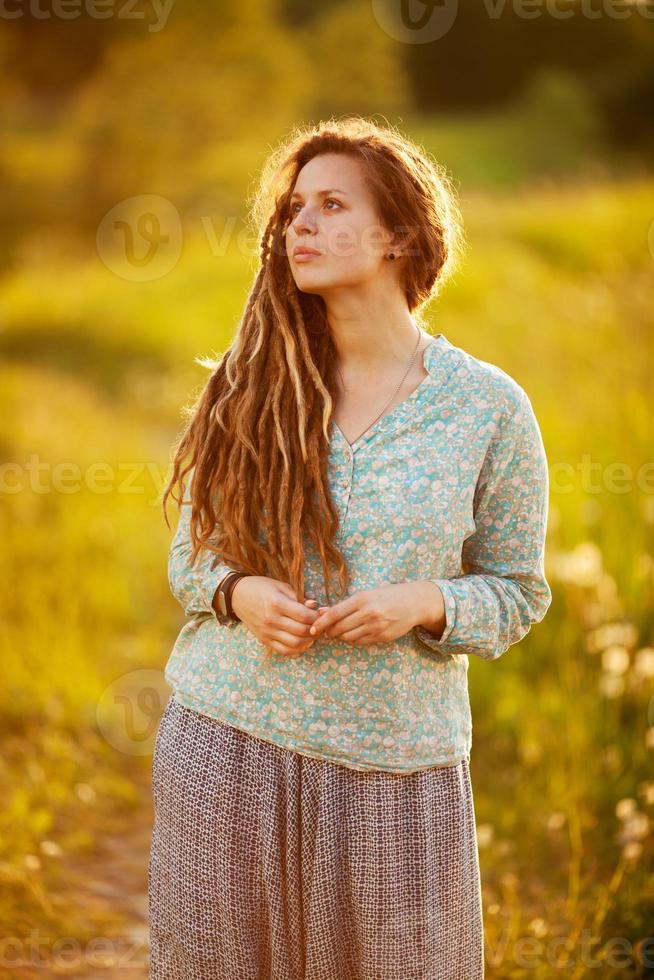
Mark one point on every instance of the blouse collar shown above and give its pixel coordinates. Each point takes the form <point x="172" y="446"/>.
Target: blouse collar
<point x="439" y="361"/>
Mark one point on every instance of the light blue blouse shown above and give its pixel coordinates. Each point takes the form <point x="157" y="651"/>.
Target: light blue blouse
<point x="451" y="485"/>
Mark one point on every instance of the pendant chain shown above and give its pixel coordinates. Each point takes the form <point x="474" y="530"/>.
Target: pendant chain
<point x="413" y="357"/>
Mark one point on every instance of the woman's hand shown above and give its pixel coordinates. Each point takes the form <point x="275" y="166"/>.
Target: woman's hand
<point x="380" y="615"/>
<point x="271" y="611"/>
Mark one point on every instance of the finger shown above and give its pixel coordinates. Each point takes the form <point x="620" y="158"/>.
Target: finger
<point x="319" y="625"/>
<point x="327" y="615"/>
<point x="325" y="619"/>
<point x="292" y="626"/>
<point x="350" y="622"/>
<point x="295" y="612"/>
<point x="288" y="644"/>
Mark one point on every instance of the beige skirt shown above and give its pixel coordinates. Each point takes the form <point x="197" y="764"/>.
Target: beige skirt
<point x="267" y="864"/>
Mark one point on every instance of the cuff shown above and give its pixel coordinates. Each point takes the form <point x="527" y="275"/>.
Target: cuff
<point x="429" y="640"/>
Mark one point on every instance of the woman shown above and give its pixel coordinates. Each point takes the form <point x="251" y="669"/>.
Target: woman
<point x="314" y="814"/>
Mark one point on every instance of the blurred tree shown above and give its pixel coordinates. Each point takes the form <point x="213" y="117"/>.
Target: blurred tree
<point x="51" y="55"/>
<point x="100" y="109"/>
<point x="626" y="92"/>
<point x="486" y="58"/>
<point x="355" y="66"/>
<point x="164" y="107"/>
<point x="297" y="13"/>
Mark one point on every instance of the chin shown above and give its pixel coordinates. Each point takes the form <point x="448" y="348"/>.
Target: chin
<point x="312" y="284"/>
<point x="311" y="290"/>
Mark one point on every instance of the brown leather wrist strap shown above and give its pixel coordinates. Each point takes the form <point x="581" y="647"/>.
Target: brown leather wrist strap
<point x="225" y="589"/>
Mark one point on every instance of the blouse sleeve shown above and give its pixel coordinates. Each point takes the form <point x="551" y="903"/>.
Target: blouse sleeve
<point x="194" y="587"/>
<point x="503" y="590"/>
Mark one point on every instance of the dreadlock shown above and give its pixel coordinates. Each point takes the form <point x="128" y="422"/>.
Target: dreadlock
<point x="257" y="439"/>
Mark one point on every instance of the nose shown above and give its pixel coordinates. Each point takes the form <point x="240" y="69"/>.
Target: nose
<point x="304" y="221"/>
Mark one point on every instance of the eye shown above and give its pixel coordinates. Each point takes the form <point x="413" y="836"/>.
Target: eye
<point x="328" y="200"/>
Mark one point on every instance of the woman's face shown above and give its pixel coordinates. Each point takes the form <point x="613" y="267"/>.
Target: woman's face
<point x="332" y="212"/>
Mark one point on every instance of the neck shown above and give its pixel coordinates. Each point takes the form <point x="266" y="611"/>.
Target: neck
<point x="374" y="344"/>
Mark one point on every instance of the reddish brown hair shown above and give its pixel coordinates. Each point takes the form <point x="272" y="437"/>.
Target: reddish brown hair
<point x="257" y="439"/>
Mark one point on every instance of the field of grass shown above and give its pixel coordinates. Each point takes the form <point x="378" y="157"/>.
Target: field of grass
<point x="556" y="288"/>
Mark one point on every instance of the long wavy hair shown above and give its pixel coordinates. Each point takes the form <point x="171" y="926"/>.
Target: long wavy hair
<point x="257" y="438"/>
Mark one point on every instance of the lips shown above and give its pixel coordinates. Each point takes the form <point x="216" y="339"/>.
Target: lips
<point x="304" y="250"/>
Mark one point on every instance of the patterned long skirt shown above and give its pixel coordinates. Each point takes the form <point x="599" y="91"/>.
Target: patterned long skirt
<point x="267" y="864"/>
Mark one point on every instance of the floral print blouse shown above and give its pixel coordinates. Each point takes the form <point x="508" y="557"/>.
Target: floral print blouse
<point x="451" y="485"/>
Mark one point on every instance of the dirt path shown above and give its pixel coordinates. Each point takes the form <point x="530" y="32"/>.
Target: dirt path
<point x="110" y="887"/>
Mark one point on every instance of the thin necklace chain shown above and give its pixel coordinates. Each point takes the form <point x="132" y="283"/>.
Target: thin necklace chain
<point x="413" y="357"/>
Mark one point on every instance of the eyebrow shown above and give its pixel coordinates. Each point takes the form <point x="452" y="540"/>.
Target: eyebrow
<point x="331" y="190"/>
